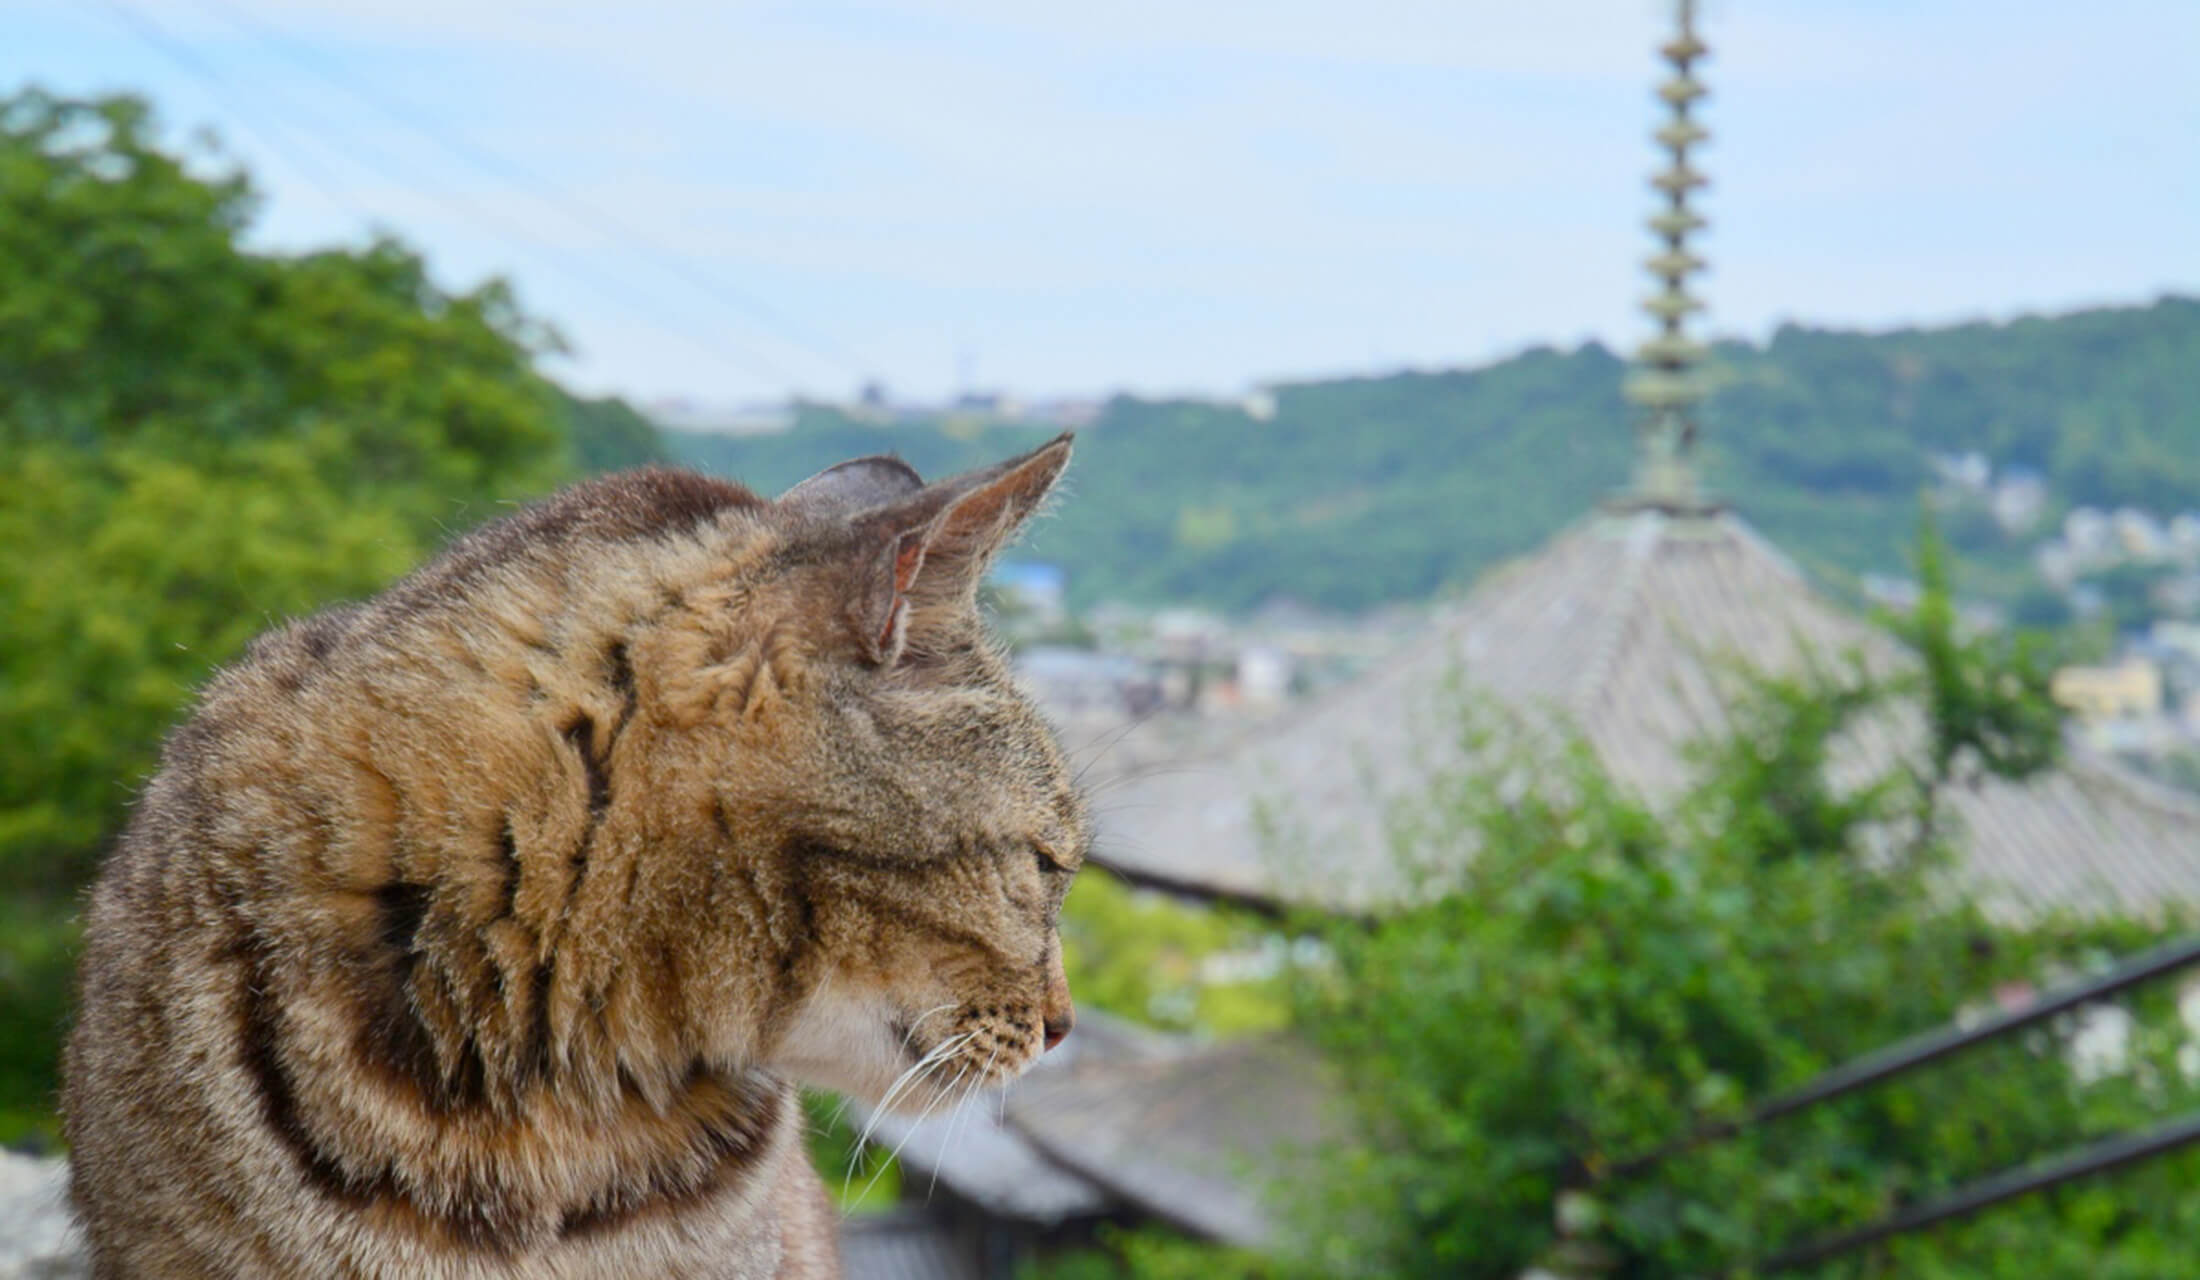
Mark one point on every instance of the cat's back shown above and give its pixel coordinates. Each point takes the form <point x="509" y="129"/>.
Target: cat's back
<point x="239" y="942"/>
<point x="262" y="747"/>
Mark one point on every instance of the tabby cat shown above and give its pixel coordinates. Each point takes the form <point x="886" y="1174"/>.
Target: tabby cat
<point x="485" y="928"/>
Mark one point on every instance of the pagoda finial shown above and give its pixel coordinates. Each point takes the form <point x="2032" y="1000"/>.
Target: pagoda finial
<point x="1667" y="383"/>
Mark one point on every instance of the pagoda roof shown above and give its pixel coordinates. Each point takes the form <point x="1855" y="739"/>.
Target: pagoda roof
<point x="1634" y="629"/>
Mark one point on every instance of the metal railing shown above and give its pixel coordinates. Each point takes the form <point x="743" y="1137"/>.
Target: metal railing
<point x="1918" y="1051"/>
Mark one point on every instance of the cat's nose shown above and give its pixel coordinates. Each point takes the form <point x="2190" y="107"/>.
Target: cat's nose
<point x="1056" y="1012"/>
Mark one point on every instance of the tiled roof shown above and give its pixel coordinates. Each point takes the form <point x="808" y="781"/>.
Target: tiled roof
<point x="983" y="1159"/>
<point x="904" y="1245"/>
<point x="1119" y="1117"/>
<point x="1195" y="1141"/>
<point x="1630" y="628"/>
<point x="977" y="1153"/>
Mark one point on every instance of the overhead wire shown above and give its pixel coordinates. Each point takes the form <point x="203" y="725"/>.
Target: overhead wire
<point x="610" y="287"/>
<point x="162" y="42"/>
<point x="774" y="321"/>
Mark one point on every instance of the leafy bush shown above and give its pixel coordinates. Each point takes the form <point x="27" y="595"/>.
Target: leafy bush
<point x="1142" y="956"/>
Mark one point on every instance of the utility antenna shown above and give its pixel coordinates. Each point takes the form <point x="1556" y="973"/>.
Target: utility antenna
<point x="1667" y="384"/>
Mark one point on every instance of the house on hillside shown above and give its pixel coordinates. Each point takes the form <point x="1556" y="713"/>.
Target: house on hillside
<point x="2131" y="687"/>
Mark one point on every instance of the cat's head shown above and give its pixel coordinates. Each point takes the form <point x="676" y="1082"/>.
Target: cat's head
<point x="921" y="811"/>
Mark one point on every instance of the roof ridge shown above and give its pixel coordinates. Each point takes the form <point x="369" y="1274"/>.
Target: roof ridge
<point x="2088" y="765"/>
<point x="1649" y="528"/>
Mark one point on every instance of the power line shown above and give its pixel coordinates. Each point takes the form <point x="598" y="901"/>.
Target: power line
<point x="610" y="287"/>
<point x="151" y="33"/>
<point x="333" y="70"/>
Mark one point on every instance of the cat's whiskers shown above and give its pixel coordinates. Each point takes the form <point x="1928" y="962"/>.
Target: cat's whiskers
<point x="924" y="1066"/>
<point x="1099" y="747"/>
<point x="932" y="1058"/>
<point x="911" y="1132"/>
<point x="944" y="1094"/>
<point x="1145" y="773"/>
<point x="961" y="1111"/>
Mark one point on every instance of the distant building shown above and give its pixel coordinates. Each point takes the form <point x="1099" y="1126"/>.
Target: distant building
<point x="2088" y="533"/>
<point x="2177" y="637"/>
<point x="1891" y="592"/>
<point x="2057" y="564"/>
<point x="2127" y="689"/>
<point x="986" y="404"/>
<point x="720" y="419"/>
<point x="1067" y="413"/>
<point x="1081" y="682"/>
<point x="2019" y="500"/>
<point x="1040" y="588"/>
<point x="2184" y="536"/>
<point x="2176" y="594"/>
<point x="2139" y="535"/>
<point x="1264" y="676"/>
<point x="1966" y="472"/>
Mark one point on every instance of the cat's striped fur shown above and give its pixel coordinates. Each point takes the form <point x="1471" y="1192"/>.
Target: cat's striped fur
<point x="484" y="928"/>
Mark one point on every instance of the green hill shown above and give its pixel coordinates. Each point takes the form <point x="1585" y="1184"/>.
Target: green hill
<point x="1365" y="490"/>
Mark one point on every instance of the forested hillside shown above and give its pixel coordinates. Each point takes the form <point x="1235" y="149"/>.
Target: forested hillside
<point x="1373" y="489"/>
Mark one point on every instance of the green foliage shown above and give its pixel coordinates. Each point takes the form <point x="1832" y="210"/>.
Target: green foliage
<point x="156" y="568"/>
<point x="1142" y="956"/>
<point x="133" y="316"/>
<point x="1152" y="1253"/>
<point x="1987" y="695"/>
<point x="37" y="966"/>
<point x="1367" y="490"/>
<point x="609" y="435"/>
<point x="1595" y="978"/>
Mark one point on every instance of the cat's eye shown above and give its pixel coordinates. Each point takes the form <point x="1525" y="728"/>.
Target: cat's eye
<point x="1047" y="864"/>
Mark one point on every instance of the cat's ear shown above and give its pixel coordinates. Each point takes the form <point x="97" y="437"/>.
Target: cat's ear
<point x="932" y="547"/>
<point x="854" y="487"/>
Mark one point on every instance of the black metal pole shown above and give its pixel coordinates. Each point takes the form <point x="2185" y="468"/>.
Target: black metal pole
<point x="2101" y="1157"/>
<point x="1918" y="1050"/>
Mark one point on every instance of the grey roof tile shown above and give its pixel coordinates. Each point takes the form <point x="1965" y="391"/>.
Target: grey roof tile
<point x="1630" y="628"/>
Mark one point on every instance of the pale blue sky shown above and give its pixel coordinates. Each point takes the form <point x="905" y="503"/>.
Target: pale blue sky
<point x="1171" y="195"/>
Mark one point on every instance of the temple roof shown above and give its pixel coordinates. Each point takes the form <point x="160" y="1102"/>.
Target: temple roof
<point x="1632" y="628"/>
<point x="1121" y="1118"/>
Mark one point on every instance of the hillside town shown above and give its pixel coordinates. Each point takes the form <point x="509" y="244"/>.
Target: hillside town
<point x="1337" y="756"/>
